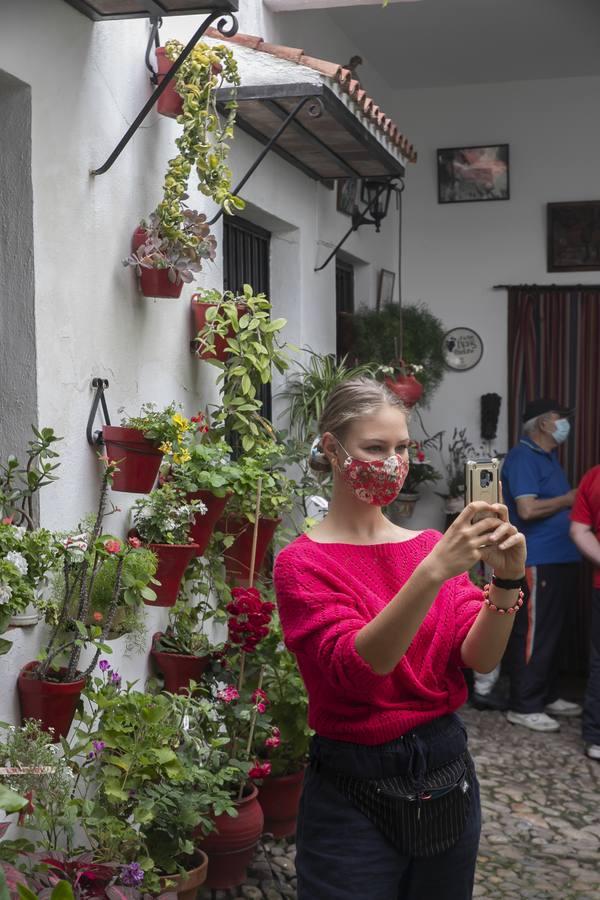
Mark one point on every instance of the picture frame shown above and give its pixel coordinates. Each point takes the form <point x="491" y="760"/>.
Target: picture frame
<point x="463" y="349"/>
<point x="573" y="236"/>
<point x="385" y="293"/>
<point x="348" y="192"/>
<point x="473" y="174"/>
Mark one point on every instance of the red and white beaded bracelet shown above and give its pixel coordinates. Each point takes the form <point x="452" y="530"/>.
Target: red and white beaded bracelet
<point x="499" y="609"/>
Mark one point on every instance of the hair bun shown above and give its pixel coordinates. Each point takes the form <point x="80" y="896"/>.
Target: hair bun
<point x="317" y="459"/>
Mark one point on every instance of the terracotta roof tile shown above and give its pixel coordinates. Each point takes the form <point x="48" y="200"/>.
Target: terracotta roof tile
<point x="341" y="76"/>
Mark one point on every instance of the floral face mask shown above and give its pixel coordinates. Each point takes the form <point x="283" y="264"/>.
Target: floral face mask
<point x="375" y="481"/>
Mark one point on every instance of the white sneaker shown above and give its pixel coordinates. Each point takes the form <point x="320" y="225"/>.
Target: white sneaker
<point x="593" y="751"/>
<point x="534" y="721"/>
<point x="564" y="708"/>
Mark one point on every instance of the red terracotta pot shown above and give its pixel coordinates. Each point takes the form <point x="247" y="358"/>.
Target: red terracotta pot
<point x="407" y="388"/>
<point x="52" y="702"/>
<point x="199" y="321"/>
<point x="238" y="556"/>
<point x="204" y="526"/>
<point x="279" y="797"/>
<point x="169" y="103"/>
<point x="137" y="457"/>
<point x="231" y="848"/>
<point x="186" y="886"/>
<point x="178" y="670"/>
<point x="155" y="282"/>
<point x="173" y="560"/>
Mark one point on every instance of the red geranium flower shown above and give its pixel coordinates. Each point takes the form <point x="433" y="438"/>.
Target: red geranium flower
<point x="113" y="546"/>
<point x="134" y="542"/>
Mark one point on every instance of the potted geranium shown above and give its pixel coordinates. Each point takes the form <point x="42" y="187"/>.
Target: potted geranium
<point x="421" y="471"/>
<point x="163" y="521"/>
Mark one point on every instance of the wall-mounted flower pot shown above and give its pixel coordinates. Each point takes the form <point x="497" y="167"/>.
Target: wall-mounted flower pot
<point x="169" y="103"/>
<point x="204" y="526"/>
<point x="52" y="702"/>
<point x="186" y="886"/>
<point x="407" y="388"/>
<point x="237" y="557"/>
<point x="199" y="321"/>
<point x="231" y="847"/>
<point x="178" y="669"/>
<point x="137" y="457"/>
<point x="279" y="797"/>
<point x="173" y="560"/>
<point x="155" y="282"/>
<point x="30" y="616"/>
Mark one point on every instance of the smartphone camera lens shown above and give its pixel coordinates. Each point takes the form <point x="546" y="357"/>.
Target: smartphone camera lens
<point x="485" y="478"/>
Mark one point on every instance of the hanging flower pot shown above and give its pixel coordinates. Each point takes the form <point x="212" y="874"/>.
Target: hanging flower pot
<point x="155" y="282"/>
<point x="406" y="386"/>
<point x="203" y="528"/>
<point x="279" y="797"/>
<point x="186" y="886"/>
<point x="238" y="556"/>
<point x="52" y="702"/>
<point x="173" y="560"/>
<point x="169" y="103"/>
<point x="178" y="669"/>
<point x="231" y="847"/>
<point x="199" y="310"/>
<point x="138" y="459"/>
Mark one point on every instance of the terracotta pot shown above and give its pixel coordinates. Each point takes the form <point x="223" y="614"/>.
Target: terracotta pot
<point x="237" y="557"/>
<point x="155" y="282"/>
<point x="169" y="103"/>
<point x="137" y="457"/>
<point x="52" y="702"/>
<point x="186" y="886"/>
<point x="402" y="507"/>
<point x="279" y="797"/>
<point x="231" y="848"/>
<point x="178" y="669"/>
<point x="199" y="321"/>
<point x="204" y="526"/>
<point x="407" y="388"/>
<point x="173" y="560"/>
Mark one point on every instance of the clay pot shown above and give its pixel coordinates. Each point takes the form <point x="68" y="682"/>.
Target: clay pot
<point x="53" y="703"/>
<point x="186" y="886"/>
<point x="203" y="528"/>
<point x="169" y="103"/>
<point x="237" y="557"/>
<point x="199" y="321"/>
<point x="173" y="560"/>
<point x="155" y="282"/>
<point x="231" y="847"/>
<point x="279" y="797"/>
<point x="177" y="668"/>
<point x="406" y="387"/>
<point x="137" y="458"/>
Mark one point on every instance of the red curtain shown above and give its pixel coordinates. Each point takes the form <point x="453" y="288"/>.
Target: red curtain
<point x="554" y="351"/>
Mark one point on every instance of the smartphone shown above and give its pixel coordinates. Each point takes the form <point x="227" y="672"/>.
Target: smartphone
<point x="482" y="482"/>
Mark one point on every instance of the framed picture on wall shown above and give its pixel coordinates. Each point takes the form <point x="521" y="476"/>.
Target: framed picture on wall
<point x="467" y="174"/>
<point x="385" y="294"/>
<point x="348" y="191"/>
<point x="574" y="236"/>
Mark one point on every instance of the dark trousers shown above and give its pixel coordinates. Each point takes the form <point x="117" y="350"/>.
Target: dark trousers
<point x="534" y="645"/>
<point x="341" y="855"/>
<point x="591" y="707"/>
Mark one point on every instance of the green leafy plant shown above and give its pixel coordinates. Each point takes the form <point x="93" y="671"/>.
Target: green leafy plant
<point x="421" y="471"/>
<point x="184" y="633"/>
<point x="208" y="466"/>
<point x="137" y="576"/>
<point x="167" y="428"/>
<point x="253" y="348"/>
<point x="19" y="484"/>
<point x="376" y="333"/>
<point x="266" y="462"/>
<point x="165" y="515"/>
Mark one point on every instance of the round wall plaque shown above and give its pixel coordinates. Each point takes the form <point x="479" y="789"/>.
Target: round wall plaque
<point x="463" y="348"/>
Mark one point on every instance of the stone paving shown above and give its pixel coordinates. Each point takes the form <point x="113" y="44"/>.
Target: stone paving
<point x="541" y="819"/>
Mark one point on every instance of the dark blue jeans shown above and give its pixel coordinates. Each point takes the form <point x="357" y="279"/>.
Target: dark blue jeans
<point x="341" y="855"/>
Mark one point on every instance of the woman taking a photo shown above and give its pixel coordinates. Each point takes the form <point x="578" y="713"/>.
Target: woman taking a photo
<point x="381" y="620"/>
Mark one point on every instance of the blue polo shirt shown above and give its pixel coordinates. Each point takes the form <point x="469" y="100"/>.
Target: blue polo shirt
<point x="531" y="471"/>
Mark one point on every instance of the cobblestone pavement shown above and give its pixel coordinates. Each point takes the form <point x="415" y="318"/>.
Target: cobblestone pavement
<point x="541" y="819"/>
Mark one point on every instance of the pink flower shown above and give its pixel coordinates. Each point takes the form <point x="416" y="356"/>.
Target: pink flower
<point x="134" y="542"/>
<point x="97" y="617"/>
<point x="274" y="740"/>
<point x="7" y="520"/>
<point x="228" y="694"/>
<point x="420" y="456"/>
<point x="260" y="770"/>
<point x="113" y="546"/>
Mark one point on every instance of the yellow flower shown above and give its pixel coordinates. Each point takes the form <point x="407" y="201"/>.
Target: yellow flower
<point x="166" y="447"/>
<point x="180" y="422"/>
<point x="182" y="457"/>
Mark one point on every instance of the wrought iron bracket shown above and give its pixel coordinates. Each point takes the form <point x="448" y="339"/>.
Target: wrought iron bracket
<point x="154" y="39"/>
<point x="94" y="438"/>
<point x="315" y="109"/>
<point x="227" y="31"/>
<point x="361" y="217"/>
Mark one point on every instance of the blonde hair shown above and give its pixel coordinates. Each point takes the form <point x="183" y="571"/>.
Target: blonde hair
<point x="349" y="401"/>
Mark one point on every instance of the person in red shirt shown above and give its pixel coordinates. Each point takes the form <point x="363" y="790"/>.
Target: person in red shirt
<point x="585" y="532"/>
<point x="382" y="620"/>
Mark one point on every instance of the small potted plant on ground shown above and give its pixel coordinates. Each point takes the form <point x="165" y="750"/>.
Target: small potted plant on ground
<point x="421" y="471"/>
<point x="182" y="652"/>
<point x="163" y="521"/>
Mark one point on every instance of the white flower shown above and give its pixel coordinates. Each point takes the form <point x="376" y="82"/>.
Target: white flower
<point x="170" y="524"/>
<point x="18" y="532"/>
<point x="18" y="561"/>
<point x="5" y="594"/>
<point x="144" y="513"/>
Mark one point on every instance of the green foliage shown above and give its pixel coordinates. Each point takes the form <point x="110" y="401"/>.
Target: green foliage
<point x="26" y="559"/>
<point x="163" y="426"/>
<point x="139" y="568"/>
<point x="183" y="634"/>
<point x="458" y="451"/>
<point x="20" y="483"/>
<point x="375" y="333"/>
<point x="267" y="462"/>
<point x="165" y="515"/>
<point x="209" y="467"/>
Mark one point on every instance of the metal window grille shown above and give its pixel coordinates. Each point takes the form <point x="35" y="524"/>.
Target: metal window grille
<point x="344" y="306"/>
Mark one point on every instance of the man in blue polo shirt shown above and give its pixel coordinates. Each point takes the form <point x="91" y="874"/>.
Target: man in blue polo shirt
<point x="539" y="497"/>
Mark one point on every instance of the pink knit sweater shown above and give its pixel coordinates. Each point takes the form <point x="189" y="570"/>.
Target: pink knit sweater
<point x="326" y="593"/>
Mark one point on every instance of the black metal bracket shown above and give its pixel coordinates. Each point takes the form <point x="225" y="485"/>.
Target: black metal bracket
<point x="222" y="28"/>
<point x="154" y="39"/>
<point x="94" y="438"/>
<point x="315" y="109"/>
<point x="361" y="217"/>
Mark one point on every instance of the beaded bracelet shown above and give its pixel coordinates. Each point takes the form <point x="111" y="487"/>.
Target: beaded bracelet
<point x="499" y="609"/>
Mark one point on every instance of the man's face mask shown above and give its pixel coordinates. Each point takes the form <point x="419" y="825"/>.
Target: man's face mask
<point x="562" y="428"/>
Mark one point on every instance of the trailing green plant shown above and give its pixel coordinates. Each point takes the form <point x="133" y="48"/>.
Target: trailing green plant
<point x="19" y="483"/>
<point x="208" y="466"/>
<point x="376" y="334"/>
<point x="252" y="348"/>
<point x="266" y="462"/>
<point x="165" y="515"/>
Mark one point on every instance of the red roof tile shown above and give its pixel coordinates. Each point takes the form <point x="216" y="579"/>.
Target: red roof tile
<point x="341" y="76"/>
